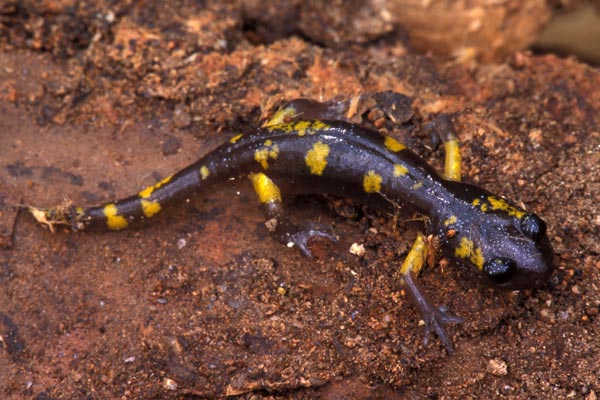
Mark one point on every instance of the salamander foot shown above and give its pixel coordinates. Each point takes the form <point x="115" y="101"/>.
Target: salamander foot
<point x="435" y="319"/>
<point x="300" y="238"/>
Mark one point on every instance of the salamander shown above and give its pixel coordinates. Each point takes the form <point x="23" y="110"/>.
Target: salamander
<point x="299" y="152"/>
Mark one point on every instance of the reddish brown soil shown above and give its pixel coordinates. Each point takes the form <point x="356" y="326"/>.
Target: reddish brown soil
<point x="99" y="101"/>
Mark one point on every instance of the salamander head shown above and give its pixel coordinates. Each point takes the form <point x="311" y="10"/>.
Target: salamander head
<point x="504" y="245"/>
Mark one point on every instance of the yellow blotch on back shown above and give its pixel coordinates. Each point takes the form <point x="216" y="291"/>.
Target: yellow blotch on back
<point x="417" y="185"/>
<point x="262" y="155"/>
<point x="235" y="138"/>
<point x="113" y="220"/>
<point x="482" y="206"/>
<point x="148" y="191"/>
<point x="400" y="170"/>
<point x="498" y="203"/>
<point x="451" y="220"/>
<point x="287" y="127"/>
<point x="265" y="188"/>
<point x="301" y="127"/>
<point x="320" y="125"/>
<point x="150" y="208"/>
<point x="204" y="172"/>
<point x="393" y="145"/>
<point x="372" y="182"/>
<point x="316" y="158"/>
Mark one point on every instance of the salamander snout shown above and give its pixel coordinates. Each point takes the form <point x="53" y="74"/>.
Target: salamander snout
<point x="518" y="256"/>
<point x="526" y="262"/>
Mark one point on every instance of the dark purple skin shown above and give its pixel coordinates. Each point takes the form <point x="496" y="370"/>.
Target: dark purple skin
<point x="516" y="251"/>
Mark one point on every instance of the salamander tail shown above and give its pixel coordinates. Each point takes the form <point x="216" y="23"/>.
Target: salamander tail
<point x="64" y="214"/>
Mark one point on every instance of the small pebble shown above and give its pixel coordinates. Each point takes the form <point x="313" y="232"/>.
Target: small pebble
<point x="181" y="117"/>
<point x="547" y="315"/>
<point x="169" y="384"/>
<point x="357" y="249"/>
<point x="171" y="146"/>
<point x="497" y="367"/>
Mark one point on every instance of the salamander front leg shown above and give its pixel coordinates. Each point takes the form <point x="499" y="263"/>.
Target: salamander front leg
<point x="435" y="317"/>
<point x="277" y="224"/>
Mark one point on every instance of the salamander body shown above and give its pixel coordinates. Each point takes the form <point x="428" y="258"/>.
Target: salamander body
<point x="489" y="237"/>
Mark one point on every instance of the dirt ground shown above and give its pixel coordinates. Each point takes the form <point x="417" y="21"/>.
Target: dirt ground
<point x="100" y="100"/>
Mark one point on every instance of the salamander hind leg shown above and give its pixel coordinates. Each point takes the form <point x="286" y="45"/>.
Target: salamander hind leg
<point x="307" y="109"/>
<point x="434" y="317"/>
<point x="442" y="129"/>
<point x="278" y="225"/>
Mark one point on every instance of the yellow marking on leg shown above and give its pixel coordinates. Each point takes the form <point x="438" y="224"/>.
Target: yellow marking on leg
<point x="393" y="145"/>
<point x="316" y="158"/>
<point x="498" y="203"/>
<point x="150" y="208"/>
<point x="263" y="154"/>
<point x="416" y="256"/>
<point x="265" y="188"/>
<point x="372" y="182"/>
<point x="453" y="160"/>
<point x="282" y="116"/>
<point x="400" y="170"/>
<point x="148" y="191"/>
<point x="114" y="221"/>
<point x="235" y="138"/>
<point x="204" y="172"/>
<point x="468" y="251"/>
<point x="477" y="258"/>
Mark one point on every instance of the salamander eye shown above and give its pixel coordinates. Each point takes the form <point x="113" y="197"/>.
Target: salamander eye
<point x="499" y="269"/>
<point x="532" y="226"/>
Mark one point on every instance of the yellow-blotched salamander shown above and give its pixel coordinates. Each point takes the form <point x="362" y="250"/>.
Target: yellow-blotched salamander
<point x="298" y="152"/>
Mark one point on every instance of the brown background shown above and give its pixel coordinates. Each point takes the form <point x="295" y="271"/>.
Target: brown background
<point x="100" y="100"/>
